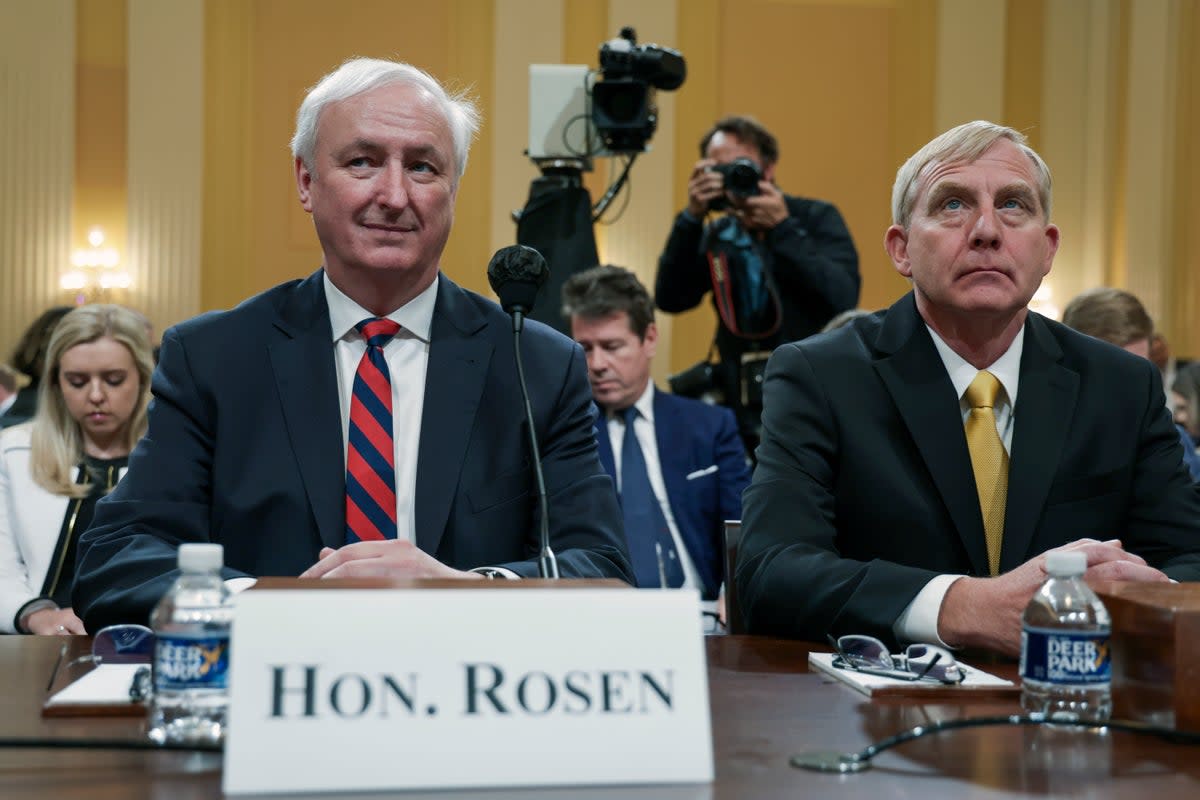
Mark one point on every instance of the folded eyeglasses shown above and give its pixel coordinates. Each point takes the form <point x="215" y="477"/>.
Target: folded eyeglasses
<point x="918" y="662"/>
<point x="116" y="644"/>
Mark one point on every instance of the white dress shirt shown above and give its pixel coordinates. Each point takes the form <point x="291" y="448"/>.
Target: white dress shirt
<point x="643" y="429"/>
<point x="918" y="622"/>
<point x="7" y="403"/>
<point x="407" y="356"/>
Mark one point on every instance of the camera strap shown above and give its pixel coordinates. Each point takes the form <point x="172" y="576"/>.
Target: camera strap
<point x="745" y="295"/>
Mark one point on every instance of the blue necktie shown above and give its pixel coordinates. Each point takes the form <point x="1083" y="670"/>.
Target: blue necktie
<point x="645" y="525"/>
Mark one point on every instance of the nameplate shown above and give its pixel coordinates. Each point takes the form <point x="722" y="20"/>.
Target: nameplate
<point x="442" y="685"/>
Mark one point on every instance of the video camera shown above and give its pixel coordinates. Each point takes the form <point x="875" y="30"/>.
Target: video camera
<point x="741" y="180"/>
<point x="573" y="114"/>
<point x="623" y="108"/>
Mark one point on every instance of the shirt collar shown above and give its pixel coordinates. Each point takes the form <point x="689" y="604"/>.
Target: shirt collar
<point x="415" y="316"/>
<point x="644" y="404"/>
<point x="1006" y="368"/>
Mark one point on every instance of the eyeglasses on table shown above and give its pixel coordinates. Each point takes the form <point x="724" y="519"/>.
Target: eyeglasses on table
<point x="919" y="662"/>
<point x="115" y="644"/>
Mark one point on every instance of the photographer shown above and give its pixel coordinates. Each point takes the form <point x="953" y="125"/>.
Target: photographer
<point x="779" y="267"/>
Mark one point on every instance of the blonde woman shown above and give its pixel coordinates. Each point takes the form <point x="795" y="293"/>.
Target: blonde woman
<point x="91" y="411"/>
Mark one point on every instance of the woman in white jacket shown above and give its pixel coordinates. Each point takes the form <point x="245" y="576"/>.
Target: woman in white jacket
<point x="91" y="411"/>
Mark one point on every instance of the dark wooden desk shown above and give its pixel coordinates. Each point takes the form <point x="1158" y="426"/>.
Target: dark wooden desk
<point x="765" y="707"/>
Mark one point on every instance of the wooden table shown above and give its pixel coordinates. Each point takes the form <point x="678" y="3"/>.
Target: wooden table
<point x="765" y="707"/>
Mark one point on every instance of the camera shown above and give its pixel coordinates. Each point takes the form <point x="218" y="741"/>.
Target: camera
<point x="576" y="113"/>
<point x="623" y="109"/>
<point x="699" y="381"/>
<point x="741" y="180"/>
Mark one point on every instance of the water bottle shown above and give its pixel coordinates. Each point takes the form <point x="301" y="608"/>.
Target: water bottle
<point x="1066" y="668"/>
<point x="191" y="656"/>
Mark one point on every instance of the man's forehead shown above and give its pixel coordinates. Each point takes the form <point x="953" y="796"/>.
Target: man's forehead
<point x="383" y="104"/>
<point x="1003" y="155"/>
<point x="732" y="141"/>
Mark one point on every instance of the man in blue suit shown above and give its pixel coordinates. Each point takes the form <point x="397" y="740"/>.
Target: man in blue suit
<point x="364" y="421"/>
<point x="689" y="451"/>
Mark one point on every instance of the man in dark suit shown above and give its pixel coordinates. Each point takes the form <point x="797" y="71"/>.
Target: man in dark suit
<point x="17" y="402"/>
<point x="364" y="421"/>
<point x="895" y="496"/>
<point x="691" y="453"/>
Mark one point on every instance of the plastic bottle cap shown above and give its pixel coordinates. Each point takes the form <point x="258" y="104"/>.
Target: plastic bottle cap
<point x="201" y="557"/>
<point x="1067" y="563"/>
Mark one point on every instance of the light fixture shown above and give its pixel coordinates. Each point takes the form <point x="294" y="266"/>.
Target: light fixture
<point x="95" y="271"/>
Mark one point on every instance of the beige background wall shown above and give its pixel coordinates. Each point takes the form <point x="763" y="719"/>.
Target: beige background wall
<point x="166" y="121"/>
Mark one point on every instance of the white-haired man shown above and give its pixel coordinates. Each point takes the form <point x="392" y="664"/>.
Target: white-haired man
<point x="903" y="490"/>
<point x="366" y="420"/>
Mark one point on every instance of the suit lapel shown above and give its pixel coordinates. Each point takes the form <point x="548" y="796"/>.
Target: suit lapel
<point x="305" y="376"/>
<point x="454" y="381"/>
<point x="1045" y="405"/>
<point x="914" y="375"/>
<point x="604" y="446"/>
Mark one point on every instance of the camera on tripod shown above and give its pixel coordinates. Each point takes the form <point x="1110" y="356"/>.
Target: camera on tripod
<point x="741" y="180"/>
<point x="623" y="107"/>
<point x="577" y="114"/>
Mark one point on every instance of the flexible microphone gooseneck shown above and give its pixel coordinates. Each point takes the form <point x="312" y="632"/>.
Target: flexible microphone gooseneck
<point x="516" y="273"/>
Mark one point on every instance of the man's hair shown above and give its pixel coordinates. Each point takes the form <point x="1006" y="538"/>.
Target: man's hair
<point x="360" y="75"/>
<point x="1113" y="315"/>
<point x="56" y="445"/>
<point x="602" y="291"/>
<point x="964" y="144"/>
<point x="11" y="380"/>
<point x="750" y="131"/>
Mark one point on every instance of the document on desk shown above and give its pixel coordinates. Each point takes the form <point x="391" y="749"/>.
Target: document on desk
<point x="104" y="690"/>
<point x="976" y="682"/>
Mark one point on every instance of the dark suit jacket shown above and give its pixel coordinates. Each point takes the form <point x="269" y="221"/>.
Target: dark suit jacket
<point x="245" y="449"/>
<point x="704" y="470"/>
<point x="864" y="489"/>
<point x="22" y="409"/>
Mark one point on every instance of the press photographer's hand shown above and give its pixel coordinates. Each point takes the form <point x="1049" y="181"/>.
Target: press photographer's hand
<point x="703" y="187"/>
<point x="763" y="211"/>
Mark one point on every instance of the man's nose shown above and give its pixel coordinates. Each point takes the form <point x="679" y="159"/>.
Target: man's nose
<point x="393" y="187"/>
<point x="596" y="361"/>
<point x="986" y="231"/>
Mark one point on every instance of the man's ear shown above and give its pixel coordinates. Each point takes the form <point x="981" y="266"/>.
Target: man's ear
<point x="304" y="185"/>
<point x="651" y="339"/>
<point x="895" y="241"/>
<point x="769" y="172"/>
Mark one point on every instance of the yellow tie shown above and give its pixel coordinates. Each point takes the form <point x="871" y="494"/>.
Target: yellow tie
<point x="989" y="460"/>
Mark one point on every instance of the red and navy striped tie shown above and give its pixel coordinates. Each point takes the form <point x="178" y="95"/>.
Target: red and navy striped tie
<point x="370" y="456"/>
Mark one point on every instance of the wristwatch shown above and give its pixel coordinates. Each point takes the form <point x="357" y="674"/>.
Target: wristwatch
<point x="491" y="573"/>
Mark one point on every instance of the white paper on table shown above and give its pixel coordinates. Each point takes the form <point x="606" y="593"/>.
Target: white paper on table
<point x="107" y="684"/>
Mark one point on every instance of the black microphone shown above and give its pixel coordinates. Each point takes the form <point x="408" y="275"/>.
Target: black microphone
<point x="516" y="273"/>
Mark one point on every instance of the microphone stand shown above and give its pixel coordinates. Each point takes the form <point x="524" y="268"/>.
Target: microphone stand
<point x="547" y="563"/>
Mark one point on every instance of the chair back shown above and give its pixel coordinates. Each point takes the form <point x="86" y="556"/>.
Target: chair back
<point x="733" y="610"/>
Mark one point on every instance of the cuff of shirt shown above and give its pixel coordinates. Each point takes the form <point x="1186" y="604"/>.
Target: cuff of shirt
<point x="497" y="572"/>
<point x="236" y="585"/>
<point x="919" y="622"/>
<point x="27" y="610"/>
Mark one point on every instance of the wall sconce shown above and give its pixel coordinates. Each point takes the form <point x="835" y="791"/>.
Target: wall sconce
<point x="95" y="271"/>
